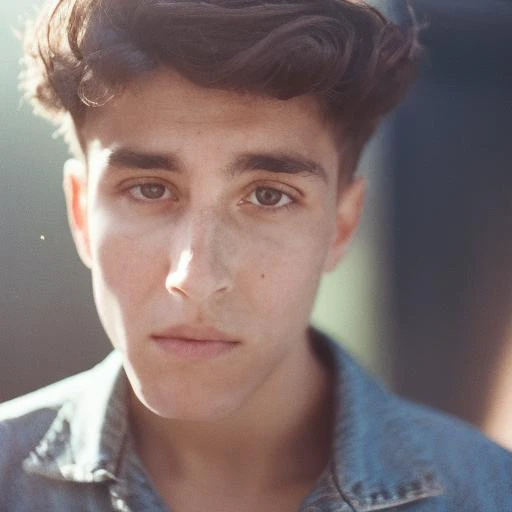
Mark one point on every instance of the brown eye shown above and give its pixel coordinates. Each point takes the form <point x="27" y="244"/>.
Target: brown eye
<point x="150" y="192"/>
<point x="269" y="197"/>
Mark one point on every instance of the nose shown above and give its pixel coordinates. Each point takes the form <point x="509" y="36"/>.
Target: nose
<point x="200" y="263"/>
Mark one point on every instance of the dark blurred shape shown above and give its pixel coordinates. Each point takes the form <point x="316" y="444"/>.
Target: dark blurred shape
<point x="453" y="208"/>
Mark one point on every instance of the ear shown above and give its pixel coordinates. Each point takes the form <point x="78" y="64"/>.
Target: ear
<point x="348" y="215"/>
<point x="75" y="191"/>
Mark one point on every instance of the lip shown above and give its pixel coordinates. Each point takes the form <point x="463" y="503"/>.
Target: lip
<point x="194" y="342"/>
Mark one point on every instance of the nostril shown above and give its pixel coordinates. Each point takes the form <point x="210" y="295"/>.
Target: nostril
<point x="222" y="289"/>
<point x="198" y="273"/>
<point x="180" y="292"/>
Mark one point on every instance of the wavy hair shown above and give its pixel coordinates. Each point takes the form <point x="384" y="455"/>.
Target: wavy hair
<point x="79" y="54"/>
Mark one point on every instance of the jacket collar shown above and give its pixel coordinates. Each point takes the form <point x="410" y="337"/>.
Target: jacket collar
<point x="85" y="442"/>
<point x="379" y="460"/>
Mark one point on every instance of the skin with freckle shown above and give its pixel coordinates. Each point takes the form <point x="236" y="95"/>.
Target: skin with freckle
<point x="195" y="255"/>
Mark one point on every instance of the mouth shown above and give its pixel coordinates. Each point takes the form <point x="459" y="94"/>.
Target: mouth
<point x="194" y="342"/>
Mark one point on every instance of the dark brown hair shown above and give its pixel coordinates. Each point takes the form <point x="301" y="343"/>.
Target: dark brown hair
<point x="81" y="53"/>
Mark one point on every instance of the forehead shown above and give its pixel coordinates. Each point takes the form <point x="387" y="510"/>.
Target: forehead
<point x="164" y="111"/>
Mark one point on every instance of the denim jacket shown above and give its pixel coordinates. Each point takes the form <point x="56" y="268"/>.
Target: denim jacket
<point x="68" y="447"/>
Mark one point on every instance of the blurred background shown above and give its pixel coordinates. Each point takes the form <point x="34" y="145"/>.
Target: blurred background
<point x="424" y="298"/>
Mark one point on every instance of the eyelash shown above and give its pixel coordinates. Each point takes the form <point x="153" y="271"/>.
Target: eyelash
<point x="135" y="188"/>
<point x="291" y="198"/>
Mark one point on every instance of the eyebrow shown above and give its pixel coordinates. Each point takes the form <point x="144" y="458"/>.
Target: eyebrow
<point x="279" y="162"/>
<point x="129" y="159"/>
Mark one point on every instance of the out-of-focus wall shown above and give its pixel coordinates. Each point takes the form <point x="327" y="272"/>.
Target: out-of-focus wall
<point x="355" y="301"/>
<point x="452" y="269"/>
<point x="48" y="326"/>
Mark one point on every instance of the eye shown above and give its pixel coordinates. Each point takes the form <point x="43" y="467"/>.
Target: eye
<point x="269" y="197"/>
<point x="150" y="192"/>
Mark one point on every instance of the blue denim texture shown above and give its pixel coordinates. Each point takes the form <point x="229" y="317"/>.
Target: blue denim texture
<point x="68" y="448"/>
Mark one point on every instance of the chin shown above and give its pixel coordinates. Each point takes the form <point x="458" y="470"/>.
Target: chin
<point x="197" y="407"/>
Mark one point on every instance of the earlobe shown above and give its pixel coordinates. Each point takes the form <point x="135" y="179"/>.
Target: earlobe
<point x="75" y="191"/>
<point x="349" y="210"/>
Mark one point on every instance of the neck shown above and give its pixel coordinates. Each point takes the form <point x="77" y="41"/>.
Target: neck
<point x="281" y="436"/>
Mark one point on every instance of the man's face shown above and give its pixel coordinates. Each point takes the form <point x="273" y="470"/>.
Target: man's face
<point x="207" y="218"/>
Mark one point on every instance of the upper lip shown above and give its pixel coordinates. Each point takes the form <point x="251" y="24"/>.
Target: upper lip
<point x="194" y="333"/>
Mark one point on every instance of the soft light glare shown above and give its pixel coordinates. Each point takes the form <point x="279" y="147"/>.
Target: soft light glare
<point x="179" y="275"/>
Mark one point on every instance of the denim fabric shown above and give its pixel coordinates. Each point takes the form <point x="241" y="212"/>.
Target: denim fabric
<point x="68" y="448"/>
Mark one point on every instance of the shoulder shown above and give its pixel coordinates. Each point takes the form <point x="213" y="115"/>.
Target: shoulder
<point x="398" y="422"/>
<point x="412" y="452"/>
<point x="25" y="420"/>
<point x="43" y="431"/>
<point x="31" y="414"/>
<point x="44" y="400"/>
<point x="451" y="440"/>
<point x="49" y="399"/>
<point x="474" y="472"/>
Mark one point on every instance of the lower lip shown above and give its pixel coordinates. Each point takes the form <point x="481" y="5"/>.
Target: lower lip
<point x="192" y="349"/>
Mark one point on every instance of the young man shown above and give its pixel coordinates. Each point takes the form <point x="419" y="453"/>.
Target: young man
<point x="213" y="184"/>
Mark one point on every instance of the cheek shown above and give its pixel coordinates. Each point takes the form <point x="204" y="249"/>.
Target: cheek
<point x="125" y="272"/>
<point x="124" y="254"/>
<point x="286" y="270"/>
